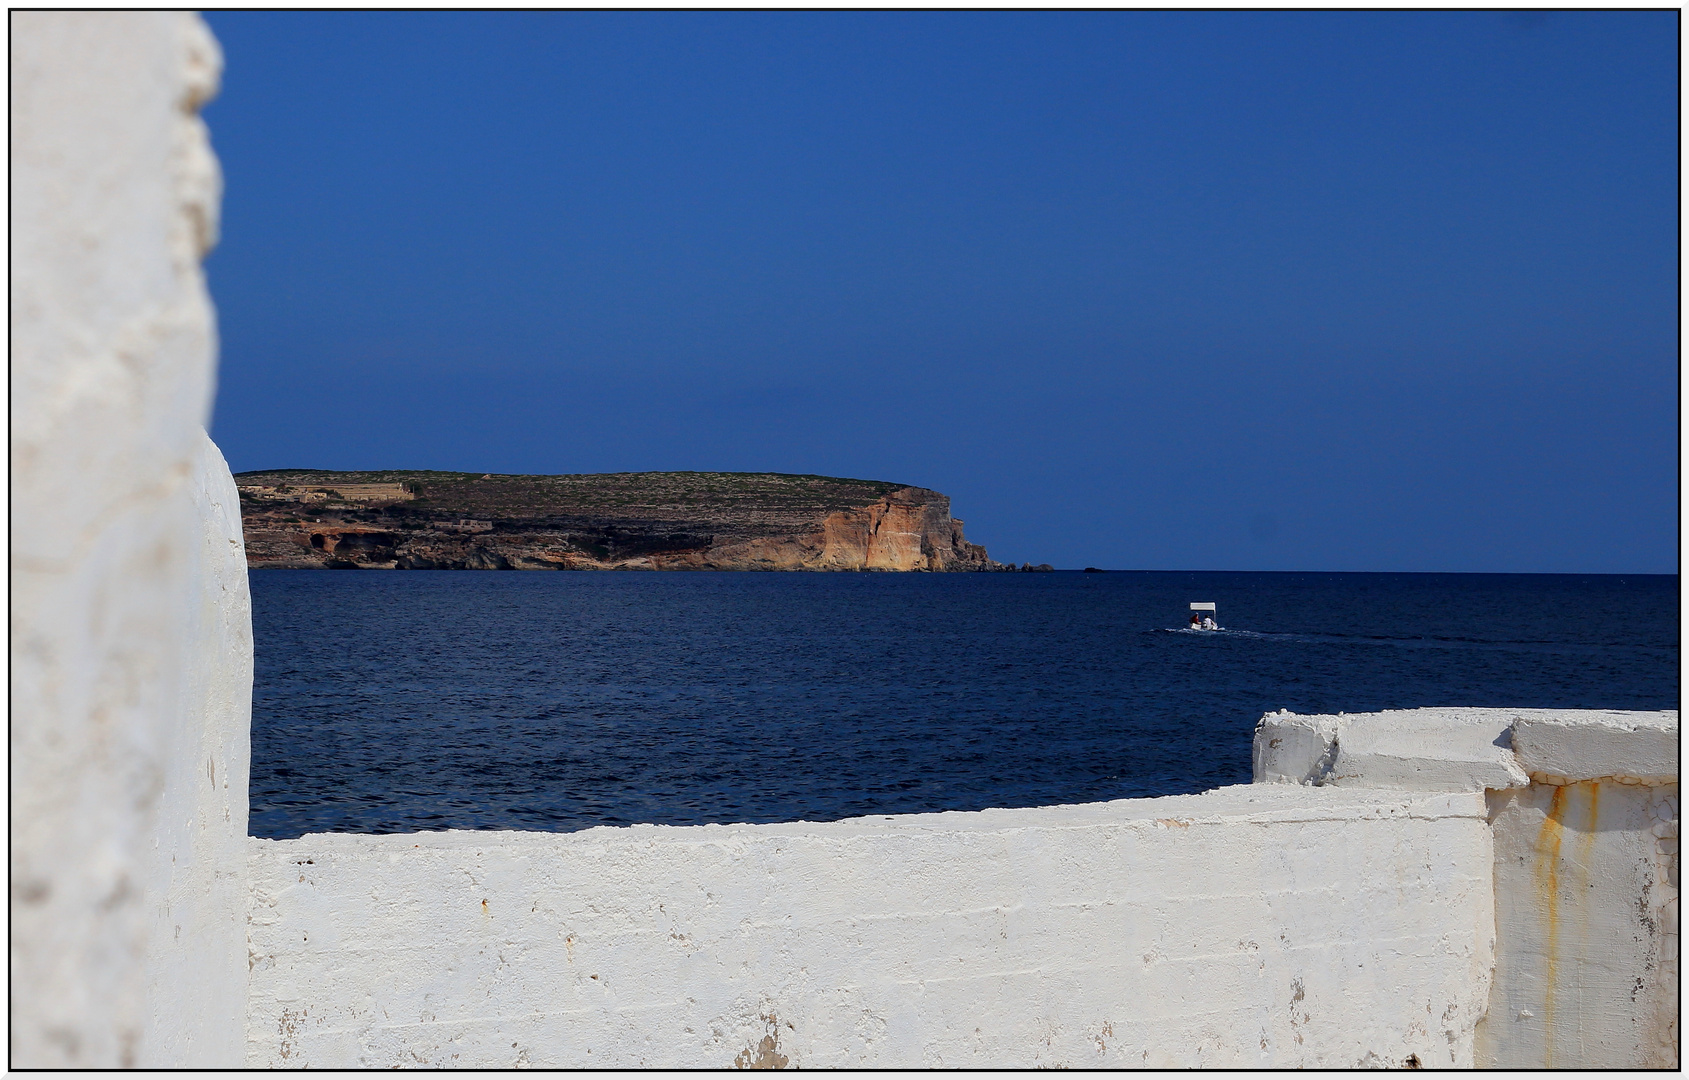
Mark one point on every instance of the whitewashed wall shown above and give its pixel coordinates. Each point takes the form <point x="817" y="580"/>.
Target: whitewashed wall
<point x="1586" y="884"/>
<point x="1250" y="926"/>
<point x="1585" y="816"/>
<point x="196" y="895"/>
<point x="114" y="201"/>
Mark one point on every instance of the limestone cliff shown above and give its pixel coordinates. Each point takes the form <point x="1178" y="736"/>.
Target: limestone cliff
<point x="616" y="521"/>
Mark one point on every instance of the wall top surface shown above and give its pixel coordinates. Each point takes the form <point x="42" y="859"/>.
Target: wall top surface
<point x="1241" y="804"/>
<point x="1456" y="749"/>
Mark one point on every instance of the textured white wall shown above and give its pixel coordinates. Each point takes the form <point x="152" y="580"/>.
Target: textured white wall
<point x="197" y="893"/>
<point x="1587" y="895"/>
<point x="1585" y="815"/>
<point x="114" y="201"/>
<point x="1446" y="749"/>
<point x="1250" y="926"/>
<point x="1586" y="973"/>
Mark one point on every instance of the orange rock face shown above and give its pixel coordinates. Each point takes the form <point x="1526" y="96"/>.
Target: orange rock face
<point x="668" y="521"/>
<point x="909" y="529"/>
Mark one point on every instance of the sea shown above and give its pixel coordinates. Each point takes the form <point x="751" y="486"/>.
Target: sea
<point x="418" y="700"/>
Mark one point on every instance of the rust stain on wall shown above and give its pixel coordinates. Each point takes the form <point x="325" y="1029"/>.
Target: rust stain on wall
<point x="1548" y="887"/>
<point x="1574" y="807"/>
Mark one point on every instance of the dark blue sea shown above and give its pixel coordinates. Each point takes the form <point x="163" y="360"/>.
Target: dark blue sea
<point x="556" y="701"/>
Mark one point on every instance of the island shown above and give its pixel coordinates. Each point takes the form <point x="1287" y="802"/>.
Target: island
<point x="422" y="520"/>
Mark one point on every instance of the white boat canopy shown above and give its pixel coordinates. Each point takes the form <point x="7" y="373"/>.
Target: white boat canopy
<point x="1202" y="607"/>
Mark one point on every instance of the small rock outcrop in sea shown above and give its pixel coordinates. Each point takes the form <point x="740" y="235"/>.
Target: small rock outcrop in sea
<point x="298" y="518"/>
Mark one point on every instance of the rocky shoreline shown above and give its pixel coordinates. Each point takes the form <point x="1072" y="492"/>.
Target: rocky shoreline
<point x="396" y="520"/>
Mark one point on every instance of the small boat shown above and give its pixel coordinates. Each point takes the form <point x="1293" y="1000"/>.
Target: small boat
<point x="1204" y="622"/>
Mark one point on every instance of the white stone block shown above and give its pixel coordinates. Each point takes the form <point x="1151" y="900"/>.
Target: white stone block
<point x="1585" y="963"/>
<point x="1433" y="749"/>
<point x="1588" y="745"/>
<point x="1294" y="749"/>
<point x="1251" y="926"/>
<point x="196" y="894"/>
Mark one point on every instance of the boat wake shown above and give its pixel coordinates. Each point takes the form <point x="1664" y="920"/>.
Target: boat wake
<point x="1217" y="632"/>
<point x="1430" y="642"/>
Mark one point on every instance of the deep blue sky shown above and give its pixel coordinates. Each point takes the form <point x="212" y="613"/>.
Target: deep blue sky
<point x="1259" y="291"/>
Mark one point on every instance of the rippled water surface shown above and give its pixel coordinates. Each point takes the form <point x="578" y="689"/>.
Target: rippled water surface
<point x="431" y="700"/>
